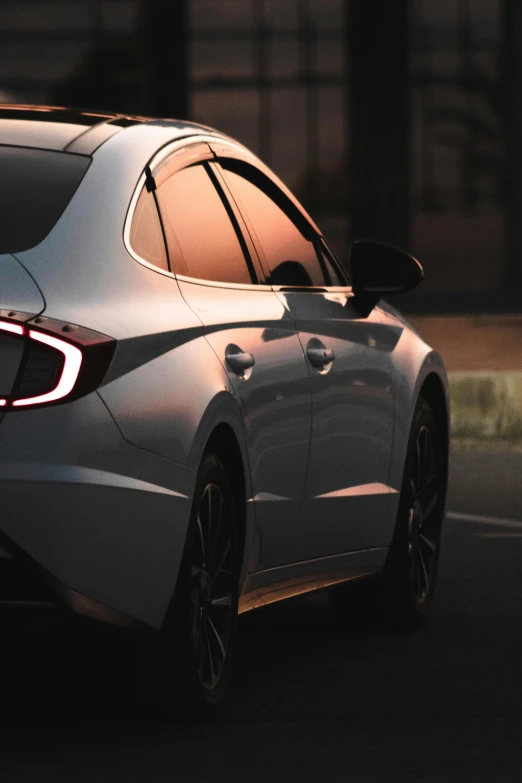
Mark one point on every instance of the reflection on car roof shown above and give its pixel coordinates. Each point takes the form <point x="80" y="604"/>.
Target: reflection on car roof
<point x="74" y="130"/>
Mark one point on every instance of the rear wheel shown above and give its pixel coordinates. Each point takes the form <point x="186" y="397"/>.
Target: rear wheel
<point x="190" y="664"/>
<point x="402" y="597"/>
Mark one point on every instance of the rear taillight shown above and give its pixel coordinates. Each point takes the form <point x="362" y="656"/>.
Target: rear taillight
<point x="58" y="362"/>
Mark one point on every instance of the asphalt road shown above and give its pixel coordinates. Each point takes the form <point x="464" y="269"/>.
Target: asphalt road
<point x="310" y="702"/>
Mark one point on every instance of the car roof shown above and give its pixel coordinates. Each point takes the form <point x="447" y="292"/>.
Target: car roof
<point x="71" y="130"/>
<point x="83" y="131"/>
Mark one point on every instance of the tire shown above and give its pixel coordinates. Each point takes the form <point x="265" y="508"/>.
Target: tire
<point x="189" y="662"/>
<point x="402" y="597"/>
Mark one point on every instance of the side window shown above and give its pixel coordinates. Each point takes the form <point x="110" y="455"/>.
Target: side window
<point x="332" y="272"/>
<point x="202" y="240"/>
<point x="146" y="236"/>
<point x="291" y="258"/>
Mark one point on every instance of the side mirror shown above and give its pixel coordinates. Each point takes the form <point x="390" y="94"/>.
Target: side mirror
<point x="377" y="269"/>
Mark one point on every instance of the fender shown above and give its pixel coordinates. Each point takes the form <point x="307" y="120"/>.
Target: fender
<point x="413" y="361"/>
<point x="224" y="409"/>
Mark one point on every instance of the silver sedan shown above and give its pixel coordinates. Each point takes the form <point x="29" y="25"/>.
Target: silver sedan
<point x="202" y="411"/>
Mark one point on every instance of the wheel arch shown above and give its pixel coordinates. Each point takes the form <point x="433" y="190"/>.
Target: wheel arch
<point x="221" y="430"/>
<point x="224" y="444"/>
<point x="418" y="370"/>
<point x="433" y="392"/>
<point x="430" y="384"/>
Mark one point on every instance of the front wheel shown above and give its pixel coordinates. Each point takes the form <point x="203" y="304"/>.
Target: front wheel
<point x="403" y="595"/>
<point x="191" y="663"/>
<point x="411" y="569"/>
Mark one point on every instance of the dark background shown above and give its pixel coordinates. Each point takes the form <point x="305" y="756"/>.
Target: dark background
<point x="391" y="119"/>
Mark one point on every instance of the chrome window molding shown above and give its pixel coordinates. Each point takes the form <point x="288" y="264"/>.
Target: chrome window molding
<point x="126" y="232"/>
<point x="162" y="155"/>
<point x="219" y="284"/>
<point x="158" y="158"/>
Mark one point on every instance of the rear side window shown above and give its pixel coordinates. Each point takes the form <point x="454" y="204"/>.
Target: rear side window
<point x="201" y="238"/>
<point x="35" y="187"/>
<point x="146" y="236"/>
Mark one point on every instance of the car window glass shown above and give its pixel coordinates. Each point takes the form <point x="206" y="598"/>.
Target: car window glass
<point x="291" y="258"/>
<point x="37" y="185"/>
<point x="202" y="240"/>
<point x="331" y="270"/>
<point x="146" y="236"/>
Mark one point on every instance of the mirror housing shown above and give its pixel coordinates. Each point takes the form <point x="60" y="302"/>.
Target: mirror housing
<point x="377" y="269"/>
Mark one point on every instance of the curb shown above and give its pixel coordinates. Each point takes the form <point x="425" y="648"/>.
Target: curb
<point x="486" y="406"/>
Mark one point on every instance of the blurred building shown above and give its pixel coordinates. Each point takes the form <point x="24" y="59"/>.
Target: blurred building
<point x="391" y="119"/>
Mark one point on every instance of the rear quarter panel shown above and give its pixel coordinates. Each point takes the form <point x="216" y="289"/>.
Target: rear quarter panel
<point x="166" y="389"/>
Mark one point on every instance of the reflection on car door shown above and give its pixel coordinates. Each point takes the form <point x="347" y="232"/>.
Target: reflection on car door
<point x="252" y="333"/>
<point x="347" y="504"/>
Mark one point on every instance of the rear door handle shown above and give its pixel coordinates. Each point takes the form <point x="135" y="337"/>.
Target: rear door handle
<point x="240" y="363"/>
<point x="319" y="356"/>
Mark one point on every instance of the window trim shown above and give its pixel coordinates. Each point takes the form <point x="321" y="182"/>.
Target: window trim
<point x="170" y="165"/>
<point x="219" y="284"/>
<point x="161" y="157"/>
<point x="256" y="267"/>
<point x="287" y="206"/>
<point x="250" y="172"/>
<point x="127" y="231"/>
<point x="227" y="149"/>
<point x="325" y="249"/>
<point x="230" y="215"/>
<point x="152" y="165"/>
<point x="164" y="238"/>
<point x="233" y="217"/>
<point x="220" y="148"/>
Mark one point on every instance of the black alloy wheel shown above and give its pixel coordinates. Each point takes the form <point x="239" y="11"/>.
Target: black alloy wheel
<point x="212" y="586"/>
<point x="423" y="523"/>
<point x="189" y="670"/>
<point x="411" y="569"/>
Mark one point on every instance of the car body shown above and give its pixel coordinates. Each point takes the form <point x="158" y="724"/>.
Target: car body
<point x="98" y="481"/>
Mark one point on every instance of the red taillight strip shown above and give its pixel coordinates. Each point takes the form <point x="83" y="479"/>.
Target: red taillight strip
<point x="8" y="327"/>
<point x="71" y="369"/>
<point x="3" y="402"/>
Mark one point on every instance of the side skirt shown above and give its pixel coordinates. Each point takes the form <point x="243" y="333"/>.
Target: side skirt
<point x="277" y="584"/>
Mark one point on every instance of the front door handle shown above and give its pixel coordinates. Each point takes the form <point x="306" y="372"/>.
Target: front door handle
<point x="319" y="356"/>
<point x="240" y="363"/>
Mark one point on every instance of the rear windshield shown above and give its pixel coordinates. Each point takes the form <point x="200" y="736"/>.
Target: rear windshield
<point x="35" y="187"/>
